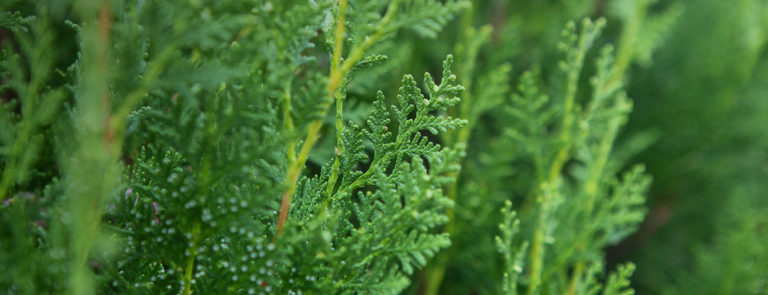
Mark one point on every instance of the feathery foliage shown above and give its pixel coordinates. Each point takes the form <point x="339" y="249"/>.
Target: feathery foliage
<point x="285" y="147"/>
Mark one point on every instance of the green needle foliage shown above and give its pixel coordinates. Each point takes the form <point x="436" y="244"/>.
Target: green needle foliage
<point x="285" y="147"/>
<point x="558" y="150"/>
<point x="177" y="137"/>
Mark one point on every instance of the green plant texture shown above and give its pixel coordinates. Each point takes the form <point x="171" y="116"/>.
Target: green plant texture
<point x="416" y="147"/>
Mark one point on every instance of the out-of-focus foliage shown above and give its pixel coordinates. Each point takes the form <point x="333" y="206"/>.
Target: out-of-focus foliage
<point x="707" y="101"/>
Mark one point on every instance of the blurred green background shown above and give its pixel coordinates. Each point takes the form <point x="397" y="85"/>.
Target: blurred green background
<point x="698" y="77"/>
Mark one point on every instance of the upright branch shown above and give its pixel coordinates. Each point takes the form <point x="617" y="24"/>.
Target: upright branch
<point x="572" y="66"/>
<point x="86" y="203"/>
<point x="338" y="74"/>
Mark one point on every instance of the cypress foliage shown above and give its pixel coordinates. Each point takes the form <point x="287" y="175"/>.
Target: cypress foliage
<point x="287" y="147"/>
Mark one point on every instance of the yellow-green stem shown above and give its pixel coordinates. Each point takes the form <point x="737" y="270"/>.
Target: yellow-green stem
<point x="313" y="131"/>
<point x="624" y="56"/>
<point x="336" y="77"/>
<point x="288" y="122"/>
<point x="575" y="279"/>
<point x="537" y="243"/>
<point x="87" y="202"/>
<point x="190" y="264"/>
<point x="339" y="144"/>
<point x="628" y="38"/>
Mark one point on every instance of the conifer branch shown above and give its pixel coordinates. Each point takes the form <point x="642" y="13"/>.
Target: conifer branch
<point x="295" y="166"/>
<point x="162" y="143"/>
<point x="337" y="76"/>
<point x="612" y="82"/>
<point x="87" y="203"/>
<point x="573" y="67"/>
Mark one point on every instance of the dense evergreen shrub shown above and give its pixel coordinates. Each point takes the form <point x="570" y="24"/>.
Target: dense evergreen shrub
<point x="287" y="147"/>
